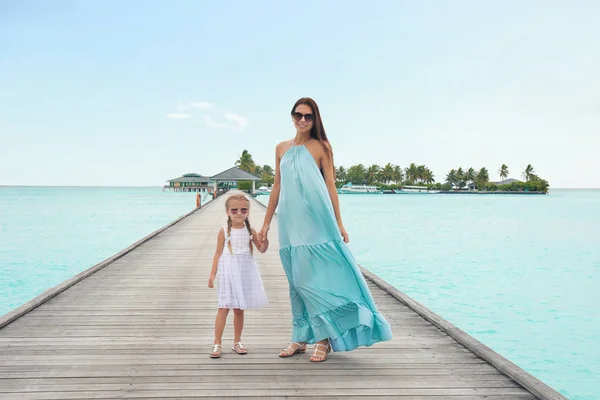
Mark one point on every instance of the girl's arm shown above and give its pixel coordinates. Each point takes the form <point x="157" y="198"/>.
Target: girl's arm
<point x="262" y="247"/>
<point x="274" y="196"/>
<point x="327" y="168"/>
<point x="218" y="252"/>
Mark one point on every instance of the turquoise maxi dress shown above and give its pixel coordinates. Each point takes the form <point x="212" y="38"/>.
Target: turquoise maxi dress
<point x="329" y="296"/>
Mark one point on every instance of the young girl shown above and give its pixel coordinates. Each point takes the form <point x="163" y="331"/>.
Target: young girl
<point x="239" y="283"/>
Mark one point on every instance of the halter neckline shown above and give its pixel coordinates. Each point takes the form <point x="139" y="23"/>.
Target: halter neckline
<point x="299" y="145"/>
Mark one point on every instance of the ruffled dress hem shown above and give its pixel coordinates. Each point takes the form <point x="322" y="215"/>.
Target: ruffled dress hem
<point x="347" y="327"/>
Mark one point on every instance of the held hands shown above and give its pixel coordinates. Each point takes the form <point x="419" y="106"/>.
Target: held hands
<point x="211" y="281"/>
<point x="264" y="245"/>
<point x="262" y="235"/>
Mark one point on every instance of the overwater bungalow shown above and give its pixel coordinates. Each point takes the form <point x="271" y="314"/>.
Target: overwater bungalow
<point x="190" y="183"/>
<point x="224" y="181"/>
<point x="230" y="178"/>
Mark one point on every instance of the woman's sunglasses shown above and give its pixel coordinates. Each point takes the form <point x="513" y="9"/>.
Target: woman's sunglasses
<point x="241" y="210"/>
<point x="307" y="117"/>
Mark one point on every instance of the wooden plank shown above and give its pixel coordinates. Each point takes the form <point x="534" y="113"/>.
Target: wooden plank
<point x="305" y="390"/>
<point x="254" y="382"/>
<point x="158" y="371"/>
<point x="141" y="327"/>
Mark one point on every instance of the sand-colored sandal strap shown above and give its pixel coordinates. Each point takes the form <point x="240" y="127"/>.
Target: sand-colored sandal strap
<point x="239" y="346"/>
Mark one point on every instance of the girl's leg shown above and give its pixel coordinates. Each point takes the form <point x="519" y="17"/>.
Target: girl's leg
<point x="238" y="326"/>
<point x="220" y="321"/>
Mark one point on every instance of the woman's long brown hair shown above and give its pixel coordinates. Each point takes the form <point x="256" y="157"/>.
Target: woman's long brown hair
<point x="317" y="131"/>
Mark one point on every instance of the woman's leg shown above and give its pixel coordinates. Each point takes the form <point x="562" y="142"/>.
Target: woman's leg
<point x="320" y="351"/>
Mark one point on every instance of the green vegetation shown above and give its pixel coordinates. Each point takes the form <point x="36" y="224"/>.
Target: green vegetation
<point x="246" y="186"/>
<point x="393" y="176"/>
<point x="265" y="173"/>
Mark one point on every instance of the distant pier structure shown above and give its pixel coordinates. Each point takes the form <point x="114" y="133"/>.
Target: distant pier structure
<point x="190" y="183"/>
<point x="223" y="181"/>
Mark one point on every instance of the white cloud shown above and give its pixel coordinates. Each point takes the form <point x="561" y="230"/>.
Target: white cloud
<point x="211" y="115"/>
<point x="210" y="122"/>
<point x="178" y="116"/>
<point x="238" y="119"/>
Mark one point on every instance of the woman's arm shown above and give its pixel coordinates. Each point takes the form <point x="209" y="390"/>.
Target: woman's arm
<point x="274" y="196"/>
<point x="218" y="252"/>
<point x="327" y="169"/>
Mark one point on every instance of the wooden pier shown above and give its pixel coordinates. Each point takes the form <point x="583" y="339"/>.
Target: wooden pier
<point x="140" y="325"/>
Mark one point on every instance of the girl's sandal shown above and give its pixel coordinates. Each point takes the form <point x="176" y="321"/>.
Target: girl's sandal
<point x="293" y="349"/>
<point x="316" y="357"/>
<point x="216" y="351"/>
<point x="239" y="348"/>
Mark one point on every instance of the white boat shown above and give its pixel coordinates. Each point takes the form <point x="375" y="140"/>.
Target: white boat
<point x="349" y="188"/>
<point x="263" y="190"/>
<point x="417" y="189"/>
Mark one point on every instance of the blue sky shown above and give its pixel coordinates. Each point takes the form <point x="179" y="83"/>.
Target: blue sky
<point x="138" y="92"/>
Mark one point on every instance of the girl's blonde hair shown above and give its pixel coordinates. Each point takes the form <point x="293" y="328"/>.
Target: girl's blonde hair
<point x="247" y="221"/>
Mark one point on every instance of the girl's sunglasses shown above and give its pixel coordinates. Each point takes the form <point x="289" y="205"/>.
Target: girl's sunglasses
<point x="307" y="117"/>
<point x="241" y="210"/>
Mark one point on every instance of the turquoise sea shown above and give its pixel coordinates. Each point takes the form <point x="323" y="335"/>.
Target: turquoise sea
<point x="519" y="273"/>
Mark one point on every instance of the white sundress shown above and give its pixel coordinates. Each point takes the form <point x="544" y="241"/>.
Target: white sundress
<point x="239" y="283"/>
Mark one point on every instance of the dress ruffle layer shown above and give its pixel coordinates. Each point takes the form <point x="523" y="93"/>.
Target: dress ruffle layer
<point x="330" y="298"/>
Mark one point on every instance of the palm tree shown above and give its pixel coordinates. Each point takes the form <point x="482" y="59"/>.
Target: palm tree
<point x="267" y="169"/>
<point x="503" y="172"/>
<point x="460" y="178"/>
<point x="451" y="178"/>
<point x="372" y="174"/>
<point x="420" y="173"/>
<point x="483" y="177"/>
<point x="245" y="162"/>
<point x="428" y="176"/>
<point x="340" y="175"/>
<point x="529" y="173"/>
<point x="267" y="178"/>
<point x="356" y="174"/>
<point x="398" y="175"/>
<point x="412" y="173"/>
<point x="387" y="173"/>
<point x="470" y="175"/>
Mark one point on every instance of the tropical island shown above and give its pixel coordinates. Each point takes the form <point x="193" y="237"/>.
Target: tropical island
<point x="393" y="177"/>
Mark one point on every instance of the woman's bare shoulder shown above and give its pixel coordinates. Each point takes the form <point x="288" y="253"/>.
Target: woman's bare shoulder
<point x="317" y="147"/>
<point x="283" y="147"/>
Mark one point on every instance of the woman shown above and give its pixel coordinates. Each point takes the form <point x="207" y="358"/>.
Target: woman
<point x="331" y="303"/>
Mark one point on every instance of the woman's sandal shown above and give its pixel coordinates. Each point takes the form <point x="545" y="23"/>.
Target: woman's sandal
<point x="315" y="357"/>
<point x="293" y="349"/>
<point x="216" y="351"/>
<point x="239" y="348"/>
